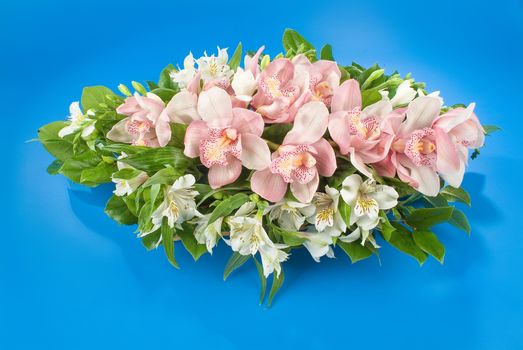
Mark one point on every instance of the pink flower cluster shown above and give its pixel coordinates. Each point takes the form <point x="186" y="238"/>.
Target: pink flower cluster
<point x="226" y="122"/>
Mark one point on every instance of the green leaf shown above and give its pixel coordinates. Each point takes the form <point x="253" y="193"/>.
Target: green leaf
<point x="293" y="41"/>
<point x="263" y="280"/>
<point x="177" y="135"/>
<point x="73" y="167"/>
<point x="430" y="244"/>
<point x="99" y="174"/>
<point x="344" y="210"/>
<point x="151" y="85"/>
<point x="401" y="239"/>
<point x="165" y="80"/>
<point x="452" y="194"/>
<point x="345" y="168"/>
<point x="369" y="97"/>
<point x="460" y="221"/>
<point x="291" y="238"/>
<point x="326" y="53"/>
<point x="126" y="174"/>
<point x="190" y="243"/>
<point x="168" y="243"/>
<point x="236" y="57"/>
<point x="165" y="94"/>
<point x="119" y="212"/>
<point x="150" y="241"/>
<point x="386" y="228"/>
<point x="355" y="251"/>
<point x="123" y="148"/>
<point x="372" y="77"/>
<point x="490" y="129"/>
<point x="277" y="283"/>
<point x="94" y="96"/>
<point x="425" y="218"/>
<point x="61" y="149"/>
<point x="401" y="187"/>
<point x="54" y="167"/>
<point x="458" y="218"/>
<point x="165" y="176"/>
<point x="155" y="159"/>
<point x="235" y="261"/>
<point x="227" y="206"/>
<point x="276" y="132"/>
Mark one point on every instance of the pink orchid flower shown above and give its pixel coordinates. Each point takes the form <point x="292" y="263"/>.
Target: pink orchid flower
<point x="358" y="132"/>
<point x="182" y="108"/>
<point x="147" y="123"/>
<point x="324" y="77"/>
<point x="420" y="151"/>
<point x="463" y="128"/>
<point x="302" y="157"/>
<point x="225" y="138"/>
<point x="281" y="91"/>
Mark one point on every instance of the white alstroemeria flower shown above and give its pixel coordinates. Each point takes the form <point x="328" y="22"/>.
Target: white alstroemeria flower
<point x="327" y="218"/>
<point x="126" y="187"/>
<point x="247" y="237"/>
<point x="319" y="244"/>
<point x="366" y="198"/>
<point x="177" y="206"/>
<point x="208" y="234"/>
<point x="79" y="121"/>
<point x="214" y="68"/>
<point x="404" y="94"/>
<point x="183" y="77"/>
<point x="358" y="233"/>
<point x="290" y="215"/>
<point x="244" y="84"/>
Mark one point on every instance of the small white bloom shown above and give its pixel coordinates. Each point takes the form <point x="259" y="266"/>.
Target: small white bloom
<point x="208" y="234"/>
<point x="247" y="237"/>
<point x="404" y="94"/>
<point x="183" y="77"/>
<point x="319" y="244"/>
<point x="126" y="187"/>
<point x="358" y="233"/>
<point x="244" y="84"/>
<point x="214" y="68"/>
<point x="327" y="218"/>
<point x="177" y="206"/>
<point x="366" y="198"/>
<point x="290" y="215"/>
<point x="78" y="121"/>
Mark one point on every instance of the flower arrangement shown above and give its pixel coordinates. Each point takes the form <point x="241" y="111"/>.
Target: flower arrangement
<point x="278" y="154"/>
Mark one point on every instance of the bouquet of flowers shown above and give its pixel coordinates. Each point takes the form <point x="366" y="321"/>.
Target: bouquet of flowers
<point x="278" y="154"/>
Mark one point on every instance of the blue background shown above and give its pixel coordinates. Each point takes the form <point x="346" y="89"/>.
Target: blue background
<point x="70" y="278"/>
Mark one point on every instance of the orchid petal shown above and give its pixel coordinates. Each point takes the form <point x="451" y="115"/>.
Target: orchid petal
<point x="247" y="121"/>
<point x="270" y="186"/>
<point x="182" y="108"/>
<point x="163" y="129"/>
<point x="454" y="117"/>
<point x="119" y="133"/>
<point x="309" y="125"/>
<point x="346" y="97"/>
<point x="305" y="192"/>
<point x="421" y="113"/>
<point x="325" y="158"/>
<point x="447" y="160"/>
<point x="255" y="152"/>
<point x="195" y="133"/>
<point x="215" y="107"/>
<point x="339" y="130"/>
<point x="221" y="175"/>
